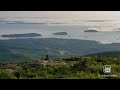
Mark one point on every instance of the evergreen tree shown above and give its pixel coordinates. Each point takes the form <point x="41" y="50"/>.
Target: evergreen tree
<point x="47" y="57"/>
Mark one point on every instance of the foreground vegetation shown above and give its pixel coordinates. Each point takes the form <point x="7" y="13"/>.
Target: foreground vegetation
<point x="83" y="67"/>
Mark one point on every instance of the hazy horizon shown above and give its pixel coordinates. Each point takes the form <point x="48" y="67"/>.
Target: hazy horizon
<point x="72" y="22"/>
<point x="80" y="14"/>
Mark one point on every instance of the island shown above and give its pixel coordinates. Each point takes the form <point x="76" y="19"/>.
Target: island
<point x="91" y="30"/>
<point x="60" y="33"/>
<point x="22" y="35"/>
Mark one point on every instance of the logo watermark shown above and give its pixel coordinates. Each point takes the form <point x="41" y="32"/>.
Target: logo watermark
<point x="107" y="72"/>
<point x="107" y="68"/>
<point x="110" y="75"/>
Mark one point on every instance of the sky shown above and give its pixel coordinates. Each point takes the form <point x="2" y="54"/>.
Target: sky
<point x="70" y="14"/>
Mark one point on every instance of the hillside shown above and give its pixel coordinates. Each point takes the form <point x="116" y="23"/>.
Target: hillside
<point x="12" y="55"/>
<point x="53" y="47"/>
<point x="107" y="54"/>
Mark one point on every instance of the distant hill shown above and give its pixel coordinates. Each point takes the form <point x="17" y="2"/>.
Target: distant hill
<point x="110" y="54"/>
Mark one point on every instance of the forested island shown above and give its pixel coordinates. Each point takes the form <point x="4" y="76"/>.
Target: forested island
<point x="22" y="35"/>
<point x="91" y="30"/>
<point x="60" y="33"/>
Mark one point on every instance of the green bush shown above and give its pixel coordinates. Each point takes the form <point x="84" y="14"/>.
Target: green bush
<point x="5" y="74"/>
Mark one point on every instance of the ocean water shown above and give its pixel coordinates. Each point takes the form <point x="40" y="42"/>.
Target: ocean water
<point x="73" y="22"/>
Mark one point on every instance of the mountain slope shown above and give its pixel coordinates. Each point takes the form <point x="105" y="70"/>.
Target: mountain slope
<point x="38" y="48"/>
<point x="12" y="55"/>
<point x="110" y="54"/>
